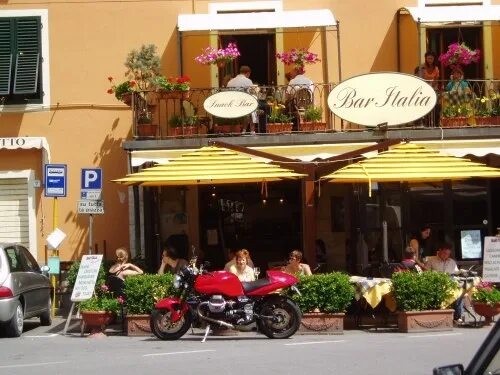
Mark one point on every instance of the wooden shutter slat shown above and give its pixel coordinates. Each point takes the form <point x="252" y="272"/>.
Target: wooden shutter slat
<point x="5" y="55"/>
<point x="28" y="55"/>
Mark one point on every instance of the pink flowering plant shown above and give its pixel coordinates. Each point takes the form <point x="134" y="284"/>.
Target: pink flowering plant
<point x="102" y="300"/>
<point x="486" y="293"/>
<point x="459" y="54"/>
<point x="298" y="57"/>
<point x="212" y="55"/>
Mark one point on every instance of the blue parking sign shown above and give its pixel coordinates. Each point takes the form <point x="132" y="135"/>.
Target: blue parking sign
<point x="91" y="179"/>
<point x="55" y="180"/>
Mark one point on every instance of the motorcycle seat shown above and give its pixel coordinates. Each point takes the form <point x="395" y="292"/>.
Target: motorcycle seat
<point x="249" y="286"/>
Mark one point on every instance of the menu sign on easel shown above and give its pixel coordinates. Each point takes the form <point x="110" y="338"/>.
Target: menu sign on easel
<point x="86" y="278"/>
<point x="491" y="259"/>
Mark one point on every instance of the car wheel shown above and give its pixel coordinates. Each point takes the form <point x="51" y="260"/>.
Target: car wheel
<point x="15" y="325"/>
<point x="46" y="317"/>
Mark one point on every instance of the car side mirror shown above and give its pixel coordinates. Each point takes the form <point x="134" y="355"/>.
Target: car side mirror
<point x="449" y="370"/>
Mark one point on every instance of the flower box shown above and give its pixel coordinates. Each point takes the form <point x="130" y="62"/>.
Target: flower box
<point x="425" y="321"/>
<point x="138" y="325"/>
<point x="185" y="130"/>
<point x="175" y="94"/>
<point x="451" y="122"/>
<point x="279" y="127"/>
<point x="147" y="130"/>
<point x="227" y="129"/>
<point x="322" y="324"/>
<point x="484" y="120"/>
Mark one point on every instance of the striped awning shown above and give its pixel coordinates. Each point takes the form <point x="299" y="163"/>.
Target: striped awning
<point x="411" y="163"/>
<point x="208" y="166"/>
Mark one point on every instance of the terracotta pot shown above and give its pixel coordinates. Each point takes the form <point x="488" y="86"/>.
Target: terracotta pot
<point x="320" y="126"/>
<point x="176" y="94"/>
<point x="307" y="126"/>
<point x="425" y="321"/>
<point x="279" y="127"/>
<point x="185" y="130"/>
<point x="450" y="122"/>
<point x="97" y="320"/>
<point x="487" y="311"/>
<point x="146" y="130"/>
<point x="221" y="64"/>
<point x="484" y="120"/>
<point x="138" y="325"/>
<point x="224" y="129"/>
<point x="322" y="324"/>
<point x="127" y="98"/>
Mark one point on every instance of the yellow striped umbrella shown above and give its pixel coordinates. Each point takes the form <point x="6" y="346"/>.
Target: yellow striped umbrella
<point x="208" y="166"/>
<point x="411" y="163"/>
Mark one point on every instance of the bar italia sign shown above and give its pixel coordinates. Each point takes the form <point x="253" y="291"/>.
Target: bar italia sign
<point x="379" y="98"/>
<point x="230" y="104"/>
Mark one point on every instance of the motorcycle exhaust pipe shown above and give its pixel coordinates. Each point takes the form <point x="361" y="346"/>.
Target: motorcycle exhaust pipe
<point x="220" y="322"/>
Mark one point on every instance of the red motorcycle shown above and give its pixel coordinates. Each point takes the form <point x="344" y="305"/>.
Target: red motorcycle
<point x="220" y="299"/>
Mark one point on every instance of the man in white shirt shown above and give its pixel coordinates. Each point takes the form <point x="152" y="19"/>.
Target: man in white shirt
<point x="243" y="81"/>
<point x="299" y="81"/>
<point x="443" y="263"/>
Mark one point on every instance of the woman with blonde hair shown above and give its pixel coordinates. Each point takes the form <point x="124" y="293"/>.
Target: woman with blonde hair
<point x="241" y="267"/>
<point x="294" y="266"/>
<point x="122" y="268"/>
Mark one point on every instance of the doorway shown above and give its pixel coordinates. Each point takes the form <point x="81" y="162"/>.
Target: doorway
<point x="258" y="51"/>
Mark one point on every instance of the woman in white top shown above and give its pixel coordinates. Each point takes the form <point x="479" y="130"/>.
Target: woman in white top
<point x="241" y="267"/>
<point x="294" y="267"/>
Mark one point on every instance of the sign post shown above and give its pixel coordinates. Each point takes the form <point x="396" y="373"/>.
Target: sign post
<point x="91" y="191"/>
<point x="55" y="184"/>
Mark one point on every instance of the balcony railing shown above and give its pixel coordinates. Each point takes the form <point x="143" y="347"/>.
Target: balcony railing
<point x="181" y="114"/>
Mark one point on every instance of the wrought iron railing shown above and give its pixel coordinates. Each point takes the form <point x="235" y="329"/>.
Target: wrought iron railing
<point x="181" y="114"/>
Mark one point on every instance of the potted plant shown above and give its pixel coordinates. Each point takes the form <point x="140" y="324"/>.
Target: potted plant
<point x="324" y="299"/>
<point x="172" y="88"/>
<point x="277" y="121"/>
<point x="298" y="57"/>
<point x="483" y="113"/>
<point x="184" y="125"/>
<point x="219" y="57"/>
<point x="99" y="310"/>
<point x="142" y="292"/>
<point x="459" y="54"/>
<point x="123" y="91"/>
<point x="455" y="115"/>
<point x="486" y="301"/>
<point x="228" y="125"/>
<point x="420" y="298"/>
<point x="312" y="119"/>
<point x="145" y="126"/>
<point x="143" y="65"/>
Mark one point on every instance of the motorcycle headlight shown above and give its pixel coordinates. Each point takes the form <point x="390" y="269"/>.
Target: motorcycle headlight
<point x="177" y="281"/>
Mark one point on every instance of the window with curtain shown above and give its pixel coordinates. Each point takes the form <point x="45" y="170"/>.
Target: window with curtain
<point x="20" y="60"/>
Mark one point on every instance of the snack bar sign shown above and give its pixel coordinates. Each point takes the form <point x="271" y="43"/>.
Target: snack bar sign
<point x="378" y="98"/>
<point x="230" y="104"/>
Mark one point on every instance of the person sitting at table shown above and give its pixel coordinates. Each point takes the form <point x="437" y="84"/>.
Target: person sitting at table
<point x="170" y="261"/>
<point x="122" y="268"/>
<point x="241" y="267"/>
<point x="232" y="260"/>
<point x="443" y="262"/>
<point x="410" y="260"/>
<point x="294" y="266"/>
<point x="299" y="81"/>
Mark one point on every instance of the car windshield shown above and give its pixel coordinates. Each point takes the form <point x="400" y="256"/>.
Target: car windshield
<point x="494" y="367"/>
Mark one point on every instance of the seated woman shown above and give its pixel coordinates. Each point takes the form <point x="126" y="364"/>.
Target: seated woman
<point x="170" y="261"/>
<point x="410" y="260"/>
<point x="122" y="268"/>
<point x="241" y="267"/>
<point x="294" y="266"/>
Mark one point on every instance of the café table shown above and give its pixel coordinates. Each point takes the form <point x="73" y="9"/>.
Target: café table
<point x="373" y="290"/>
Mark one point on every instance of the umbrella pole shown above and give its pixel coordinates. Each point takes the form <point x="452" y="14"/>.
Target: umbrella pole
<point x="385" y="247"/>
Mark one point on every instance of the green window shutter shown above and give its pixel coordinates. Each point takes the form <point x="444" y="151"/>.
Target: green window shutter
<point x="27" y="56"/>
<point x="5" y="55"/>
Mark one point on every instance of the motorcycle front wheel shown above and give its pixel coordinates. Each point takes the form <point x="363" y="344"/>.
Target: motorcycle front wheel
<point x="285" y="319"/>
<point x="165" y="329"/>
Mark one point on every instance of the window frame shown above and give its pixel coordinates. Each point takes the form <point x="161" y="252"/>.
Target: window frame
<point x="45" y="64"/>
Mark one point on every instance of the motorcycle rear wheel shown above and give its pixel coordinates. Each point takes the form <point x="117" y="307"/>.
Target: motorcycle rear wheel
<point x="286" y="320"/>
<point x="164" y="329"/>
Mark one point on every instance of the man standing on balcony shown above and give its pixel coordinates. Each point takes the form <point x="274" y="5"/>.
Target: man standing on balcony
<point x="299" y="81"/>
<point x="243" y="82"/>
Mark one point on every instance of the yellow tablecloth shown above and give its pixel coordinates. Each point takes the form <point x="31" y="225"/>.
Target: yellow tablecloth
<point x="459" y="290"/>
<point x="373" y="290"/>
